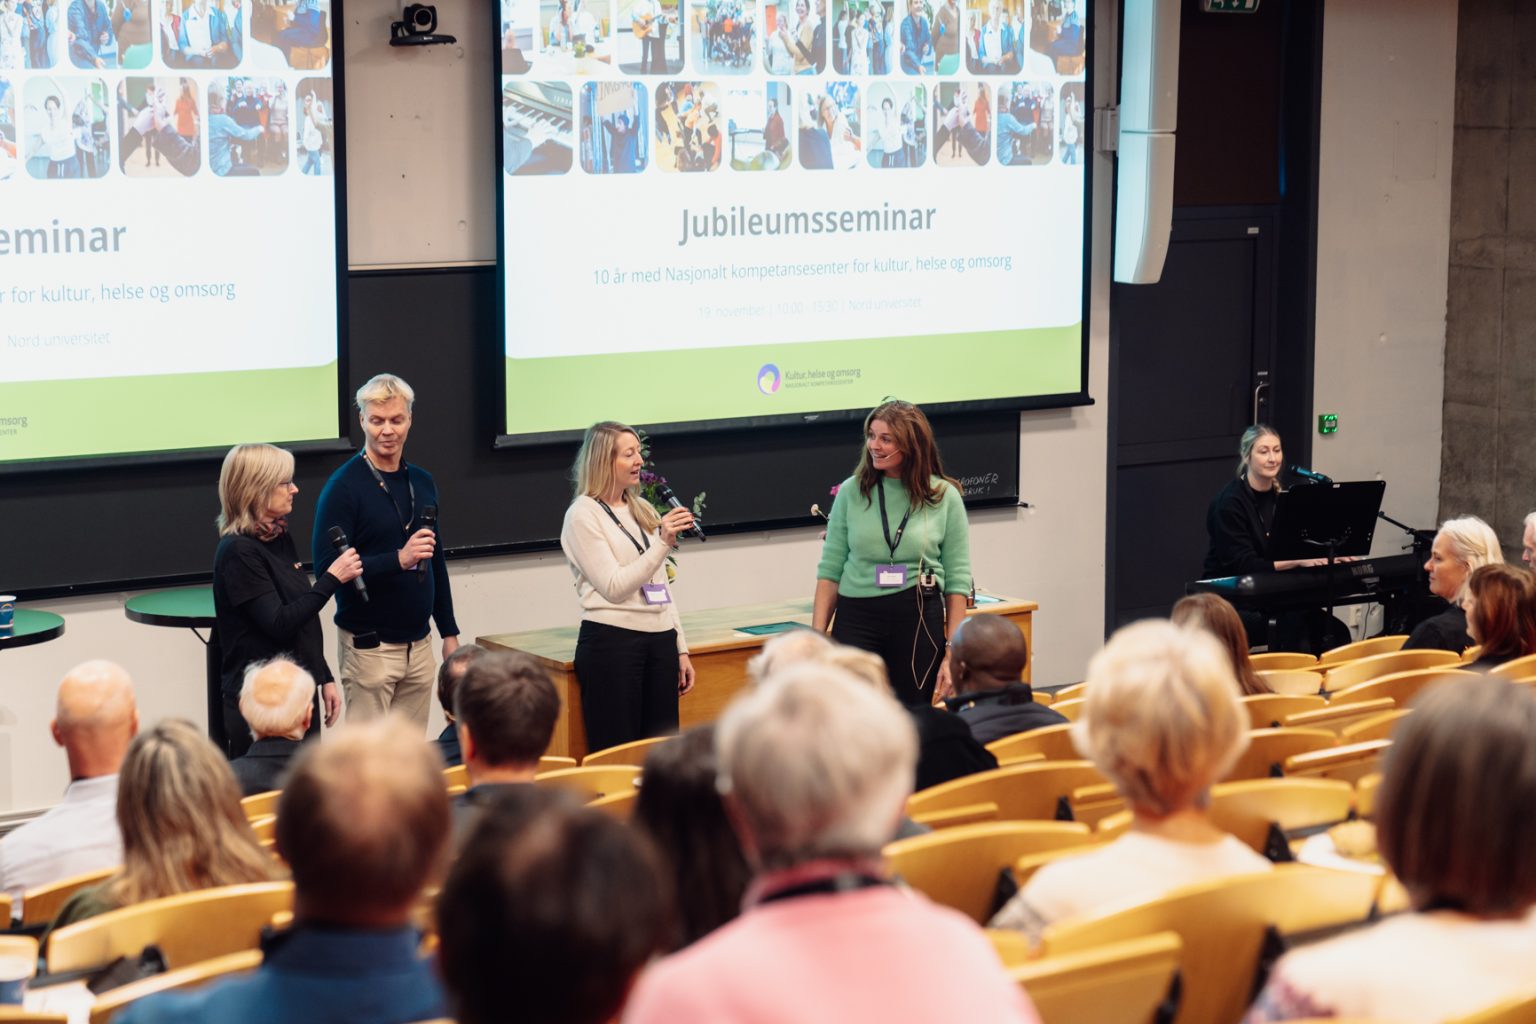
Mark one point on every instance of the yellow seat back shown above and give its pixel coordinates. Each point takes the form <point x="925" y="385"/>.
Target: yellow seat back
<point x="959" y="866"/>
<point x="1361" y="670"/>
<point x="591" y="783"/>
<point x="1021" y="792"/>
<point x="1118" y="983"/>
<point x="1268" y="710"/>
<point x="624" y="753"/>
<point x="1268" y="748"/>
<point x="1362" y="649"/>
<point x="1053" y="742"/>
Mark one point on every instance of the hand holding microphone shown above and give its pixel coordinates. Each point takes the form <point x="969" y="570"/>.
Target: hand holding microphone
<point x="681" y="525"/>
<point x="428" y="525"/>
<point x="338" y="538"/>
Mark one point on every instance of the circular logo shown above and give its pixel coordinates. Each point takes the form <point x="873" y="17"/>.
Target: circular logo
<point x="768" y="379"/>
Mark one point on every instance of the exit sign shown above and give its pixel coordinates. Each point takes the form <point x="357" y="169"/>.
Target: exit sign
<point x="1327" y="423"/>
<point x="1229" y="6"/>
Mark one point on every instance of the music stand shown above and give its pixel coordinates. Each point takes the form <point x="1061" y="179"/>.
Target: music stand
<point x="1331" y="520"/>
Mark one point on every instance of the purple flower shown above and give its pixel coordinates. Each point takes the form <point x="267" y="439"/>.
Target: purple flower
<point x="647" y="477"/>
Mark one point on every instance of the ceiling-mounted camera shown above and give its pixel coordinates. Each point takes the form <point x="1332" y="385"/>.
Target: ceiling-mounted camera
<point x="417" y="27"/>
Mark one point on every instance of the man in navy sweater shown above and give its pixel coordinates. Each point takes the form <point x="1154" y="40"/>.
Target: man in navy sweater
<point x="378" y="500"/>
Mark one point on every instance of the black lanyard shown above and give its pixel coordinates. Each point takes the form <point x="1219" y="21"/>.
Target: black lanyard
<point x="629" y="536"/>
<point x="885" y="524"/>
<point x="405" y="524"/>
<point x="847" y="881"/>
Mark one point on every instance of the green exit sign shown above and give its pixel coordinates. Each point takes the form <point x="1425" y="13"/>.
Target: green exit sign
<point x="1327" y="423"/>
<point x="1229" y="6"/>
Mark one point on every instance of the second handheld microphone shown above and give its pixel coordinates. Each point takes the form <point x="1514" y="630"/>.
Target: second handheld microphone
<point x="338" y="538"/>
<point x="665" y="494"/>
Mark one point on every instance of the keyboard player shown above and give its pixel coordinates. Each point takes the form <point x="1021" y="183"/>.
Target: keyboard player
<point x="536" y="128"/>
<point x="1239" y="522"/>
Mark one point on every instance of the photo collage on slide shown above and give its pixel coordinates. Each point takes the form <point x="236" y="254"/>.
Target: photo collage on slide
<point x="165" y="88"/>
<point x="688" y="86"/>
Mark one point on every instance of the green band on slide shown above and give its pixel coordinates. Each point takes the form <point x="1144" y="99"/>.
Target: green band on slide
<point x="571" y="392"/>
<point x="121" y="415"/>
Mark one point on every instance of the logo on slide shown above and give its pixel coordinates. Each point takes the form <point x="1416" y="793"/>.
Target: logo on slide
<point x="768" y="379"/>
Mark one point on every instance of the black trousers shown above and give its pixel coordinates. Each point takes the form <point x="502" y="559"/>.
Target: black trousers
<point x="906" y="629"/>
<point x="237" y="731"/>
<point x="628" y="683"/>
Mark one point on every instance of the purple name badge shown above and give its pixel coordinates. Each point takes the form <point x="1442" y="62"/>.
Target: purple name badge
<point x="890" y="575"/>
<point x="655" y="593"/>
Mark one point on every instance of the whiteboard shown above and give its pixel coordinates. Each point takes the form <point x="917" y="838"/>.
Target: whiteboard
<point x="420" y="139"/>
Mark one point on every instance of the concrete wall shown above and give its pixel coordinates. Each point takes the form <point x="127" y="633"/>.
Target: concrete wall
<point x="1384" y="201"/>
<point x="1490" y="351"/>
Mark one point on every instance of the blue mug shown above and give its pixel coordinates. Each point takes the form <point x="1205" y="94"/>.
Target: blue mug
<point x="15" y="972"/>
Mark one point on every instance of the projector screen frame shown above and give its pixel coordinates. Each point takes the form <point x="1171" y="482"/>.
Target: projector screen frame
<point x="341" y="442"/>
<point x="1060" y="400"/>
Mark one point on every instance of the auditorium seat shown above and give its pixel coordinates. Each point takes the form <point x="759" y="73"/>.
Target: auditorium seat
<point x="1021" y="792"/>
<point x="1521" y="1010"/>
<point x="189" y="927"/>
<point x="1222" y="925"/>
<point x="1076" y="691"/>
<point x="1293" y="681"/>
<point x="1376" y="727"/>
<point x="1365" y="794"/>
<point x="1268" y="749"/>
<point x="259" y="805"/>
<point x="1336" y="717"/>
<point x="1053" y="743"/>
<point x="111" y="1002"/>
<point x="953" y="817"/>
<point x="1011" y="946"/>
<point x="265" y="828"/>
<point x="1362" y="649"/>
<point x="1025" y="867"/>
<point x="1268" y="710"/>
<point x="1348" y="762"/>
<point x="1071" y="709"/>
<point x="1517" y="668"/>
<point x="1247" y="808"/>
<point x="1375" y="666"/>
<point x="555" y="763"/>
<point x="1093" y="803"/>
<point x="624" y="753"/>
<point x="41" y="905"/>
<point x="591" y="783"/>
<point x="1471" y="654"/>
<point x="1402" y="687"/>
<point x="959" y="867"/>
<point x="1282" y="660"/>
<point x="458" y="775"/>
<point x="620" y="805"/>
<point x="1116" y="983"/>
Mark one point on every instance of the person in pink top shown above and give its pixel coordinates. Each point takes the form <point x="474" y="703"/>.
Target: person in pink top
<point x="815" y="768"/>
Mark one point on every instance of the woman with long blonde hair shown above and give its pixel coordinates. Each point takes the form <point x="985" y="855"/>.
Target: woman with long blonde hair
<point x="631" y="656"/>
<point x="178" y="808"/>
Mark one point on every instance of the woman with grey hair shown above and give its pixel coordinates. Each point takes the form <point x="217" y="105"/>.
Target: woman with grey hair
<point x="815" y="768"/>
<point x="1462" y="545"/>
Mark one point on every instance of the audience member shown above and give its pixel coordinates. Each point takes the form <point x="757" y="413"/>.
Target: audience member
<point x="1528" y="542"/>
<point x="178" y="808"/>
<point x="788" y="648"/>
<point x="363" y="824"/>
<point x="1500" y="603"/>
<point x="987" y="656"/>
<point x="1462" y="848"/>
<point x="1163" y="723"/>
<point x="506" y="709"/>
<point x="681" y="810"/>
<point x="448" y="675"/>
<point x="1462" y="545"/>
<point x="94" y="721"/>
<point x="1216" y="616"/>
<point x="815" y="768"/>
<point x="549" y="913"/>
<point x="277" y="701"/>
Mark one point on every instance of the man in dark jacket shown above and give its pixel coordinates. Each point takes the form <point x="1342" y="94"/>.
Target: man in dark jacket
<point x="987" y="656"/>
<point x="276" y="701"/>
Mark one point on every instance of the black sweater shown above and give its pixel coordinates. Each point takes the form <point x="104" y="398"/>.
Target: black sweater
<point x="1237" y="523"/>
<point x="1444" y="632"/>
<point x="266" y="606"/>
<point x="377" y="523"/>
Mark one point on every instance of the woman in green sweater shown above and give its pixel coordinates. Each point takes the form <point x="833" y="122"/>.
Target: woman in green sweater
<point x="896" y="565"/>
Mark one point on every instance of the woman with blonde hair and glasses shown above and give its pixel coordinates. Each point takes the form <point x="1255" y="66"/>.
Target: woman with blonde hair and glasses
<point x="178" y="808"/>
<point x="1462" y="546"/>
<point x="265" y="603"/>
<point x="631" y="656"/>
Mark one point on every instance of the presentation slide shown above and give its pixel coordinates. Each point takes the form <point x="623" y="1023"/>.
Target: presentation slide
<point x="168" y="255"/>
<point x="724" y="209"/>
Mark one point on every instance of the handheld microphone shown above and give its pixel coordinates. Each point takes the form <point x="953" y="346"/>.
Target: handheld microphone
<point x="428" y="522"/>
<point x="338" y="538"/>
<point x="1317" y="478"/>
<point x="665" y="494"/>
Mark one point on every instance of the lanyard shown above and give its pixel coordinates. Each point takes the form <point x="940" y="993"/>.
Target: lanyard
<point x="885" y="524"/>
<point x="847" y="881"/>
<point x="405" y="524"/>
<point x="628" y="536"/>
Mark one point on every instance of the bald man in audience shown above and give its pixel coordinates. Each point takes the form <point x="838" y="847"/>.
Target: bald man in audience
<point x="363" y="826"/>
<point x="94" y="721"/>
<point x="277" y="702"/>
<point x="987" y="656"/>
<point x="506" y="709"/>
<point x="448" y="675"/>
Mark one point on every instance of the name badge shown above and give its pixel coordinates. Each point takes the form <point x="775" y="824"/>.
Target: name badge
<point x="890" y="575"/>
<point x="655" y="593"/>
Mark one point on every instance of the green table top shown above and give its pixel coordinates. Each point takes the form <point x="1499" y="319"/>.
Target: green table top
<point x="186" y="607"/>
<point x="31" y="626"/>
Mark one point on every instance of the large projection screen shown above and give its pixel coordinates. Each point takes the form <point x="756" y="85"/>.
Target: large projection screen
<point x="740" y="212"/>
<point x="171" y="226"/>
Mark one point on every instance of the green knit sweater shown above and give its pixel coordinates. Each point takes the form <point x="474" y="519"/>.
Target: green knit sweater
<point x="936" y="537"/>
